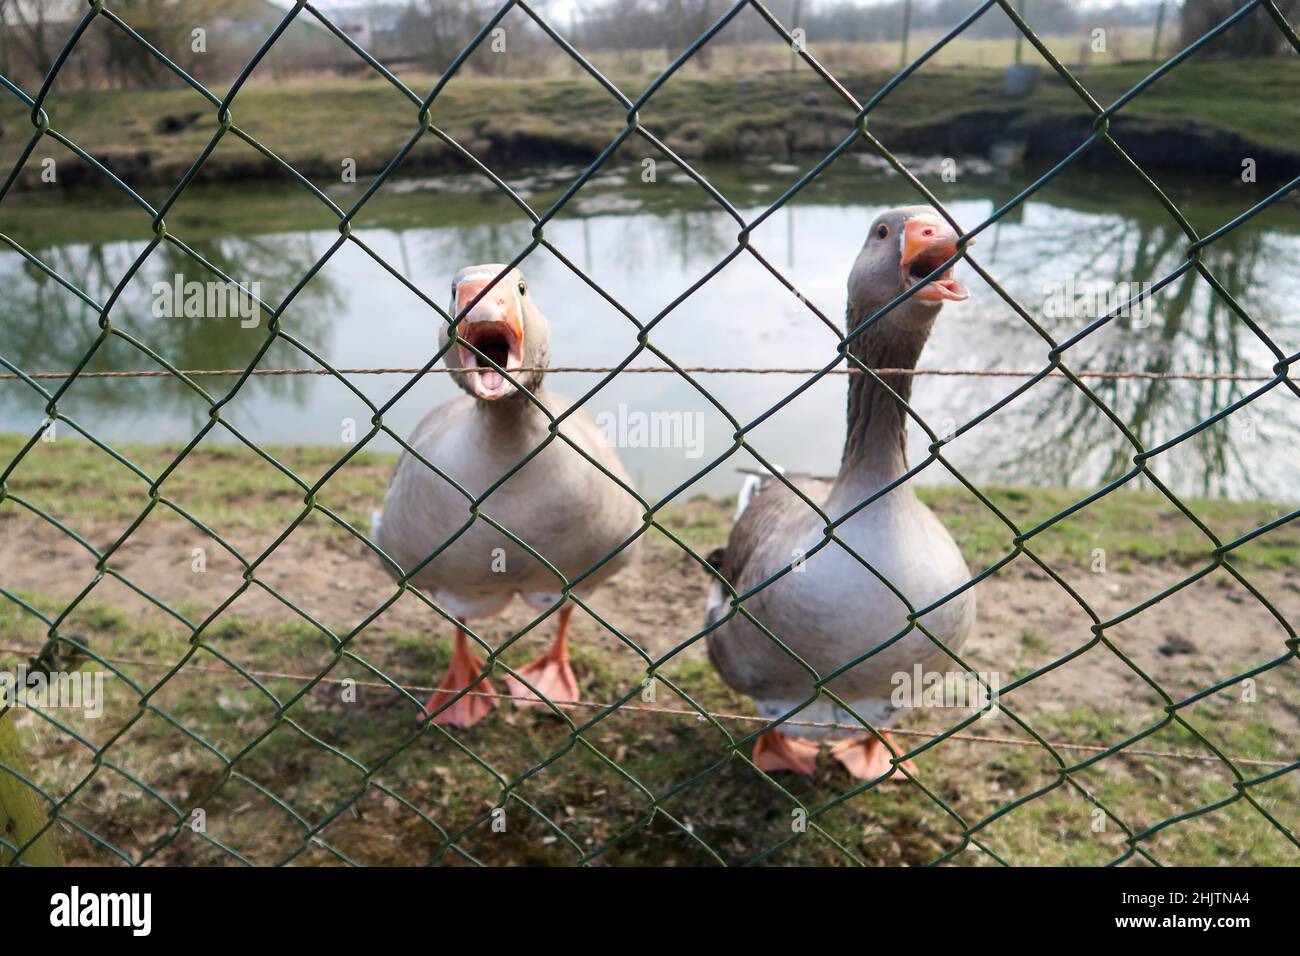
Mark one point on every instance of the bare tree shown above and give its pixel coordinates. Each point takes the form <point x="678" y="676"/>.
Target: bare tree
<point x="27" y="35"/>
<point x="1256" y="34"/>
<point x="689" y="19"/>
<point x="126" y="62"/>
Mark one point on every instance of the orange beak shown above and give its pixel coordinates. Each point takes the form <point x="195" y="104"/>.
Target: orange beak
<point x="927" y="244"/>
<point x="492" y="332"/>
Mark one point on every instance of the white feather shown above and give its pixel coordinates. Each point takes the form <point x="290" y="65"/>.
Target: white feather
<point x="748" y="488"/>
<point x="713" y="609"/>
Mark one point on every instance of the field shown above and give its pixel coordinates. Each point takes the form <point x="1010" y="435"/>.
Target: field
<point x="291" y="768"/>
<point x="1122" y="45"/>
<point x="150" y="138"/>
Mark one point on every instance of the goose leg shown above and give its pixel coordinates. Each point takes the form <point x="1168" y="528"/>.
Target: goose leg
<point x="866" y="758"/>
<point x="466" y="666"/>
<point x="775" y="751"/>
<point x="550" y="674"/>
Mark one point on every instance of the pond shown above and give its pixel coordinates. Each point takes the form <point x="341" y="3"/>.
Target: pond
<point x="645" y="243"/>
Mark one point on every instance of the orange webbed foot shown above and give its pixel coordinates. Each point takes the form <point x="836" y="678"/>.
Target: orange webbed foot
<point x="550" y="674"/>
<point x="866" y="758"/>
<point x="776" y="751"/>
<point x="552" y="678"/>
<point x="466" y="666"/>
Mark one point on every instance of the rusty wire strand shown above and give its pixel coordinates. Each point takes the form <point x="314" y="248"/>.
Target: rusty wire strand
<point x="666" y="369"/>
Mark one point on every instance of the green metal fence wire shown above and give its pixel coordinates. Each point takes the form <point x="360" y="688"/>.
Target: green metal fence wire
<point x="734" y="745"/>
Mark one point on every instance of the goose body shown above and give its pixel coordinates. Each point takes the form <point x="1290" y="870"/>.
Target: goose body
<point x="835" y="610"/>
<point x="831" y="609"/>
<point x="557" y="503"/>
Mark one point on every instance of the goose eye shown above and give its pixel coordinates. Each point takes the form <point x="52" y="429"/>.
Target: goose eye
<point x="523" y="287"/>
<point x="882" y="231"/>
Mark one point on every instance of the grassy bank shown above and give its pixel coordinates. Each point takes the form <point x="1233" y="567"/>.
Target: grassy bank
<point x="229" y="486"/>
<point x="290" y="770"/>
<point x="1204" y="116"/>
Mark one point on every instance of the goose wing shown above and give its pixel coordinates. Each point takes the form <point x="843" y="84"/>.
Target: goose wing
<point x="759" y="544"/>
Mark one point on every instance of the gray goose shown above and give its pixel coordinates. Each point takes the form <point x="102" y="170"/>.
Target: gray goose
<point x="832" y="609"/>
<point x="559" y="503"/>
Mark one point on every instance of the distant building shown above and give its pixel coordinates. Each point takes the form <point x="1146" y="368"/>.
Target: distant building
<point x="305" y="45"/>
<point x="375" y="27"/>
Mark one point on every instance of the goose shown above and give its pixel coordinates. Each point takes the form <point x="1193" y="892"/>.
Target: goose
<point x="830" y="609"/>
<point x="558" y="502"/>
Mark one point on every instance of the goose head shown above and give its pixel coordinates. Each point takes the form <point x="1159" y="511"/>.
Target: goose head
<point x="903" y="247"/>
<point x="504" y="326"/>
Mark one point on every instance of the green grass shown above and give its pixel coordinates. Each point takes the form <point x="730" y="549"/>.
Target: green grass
<point x="319" y="752"/>
<point x="314" y="125"/>
<point x="1035" y="642"/>
<point x="628" y="786"/>
<point x="223" y="486"/>
<point x="1126" y="526"/>
<point x="231" y="487"/>
<point x="1132" y="43"/>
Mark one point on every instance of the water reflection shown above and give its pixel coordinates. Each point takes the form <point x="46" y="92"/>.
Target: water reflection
<point x="47" y="328"/>
<point x="646" y="242"/>
<point x="1189" y="330"/>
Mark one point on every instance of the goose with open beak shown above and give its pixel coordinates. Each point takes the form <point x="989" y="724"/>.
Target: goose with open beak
<point x="558" y="503"/>
<point x="831" y="610"/>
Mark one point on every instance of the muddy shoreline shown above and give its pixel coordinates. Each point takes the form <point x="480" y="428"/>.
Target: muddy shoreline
<point x="1205" y="118"/>
<point x="1044" y="138"/>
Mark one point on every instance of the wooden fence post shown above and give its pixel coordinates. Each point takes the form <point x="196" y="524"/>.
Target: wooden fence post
<point x="21" y="814"/>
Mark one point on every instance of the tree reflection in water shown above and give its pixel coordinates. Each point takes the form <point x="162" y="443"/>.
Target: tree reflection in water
<point x="47" y="328"/>
<point x="1056" y="434"/>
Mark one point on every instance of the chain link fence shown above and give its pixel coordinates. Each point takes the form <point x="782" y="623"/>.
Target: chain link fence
<point x="39" y="814"/>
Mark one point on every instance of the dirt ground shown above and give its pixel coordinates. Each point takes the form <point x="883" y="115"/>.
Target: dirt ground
<point x="659" y="603"/>
<point x="1207" y="632"/>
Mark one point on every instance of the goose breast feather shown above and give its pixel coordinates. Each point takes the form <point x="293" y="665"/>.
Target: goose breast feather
<point x="558" y="502"/>
<point x="835" y="609"/>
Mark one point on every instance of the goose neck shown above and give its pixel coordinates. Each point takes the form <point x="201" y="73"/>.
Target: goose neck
<point x="875" y="444"/>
